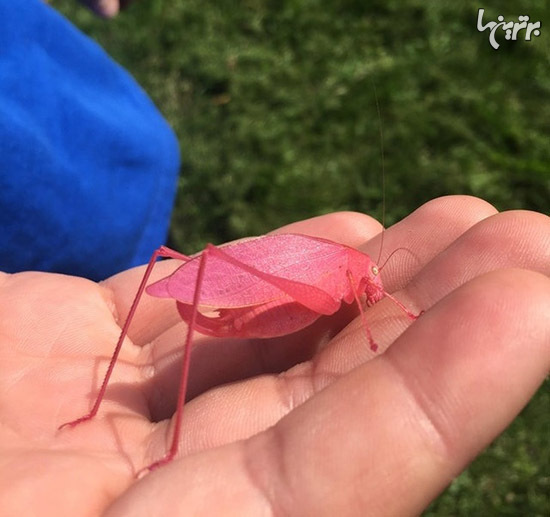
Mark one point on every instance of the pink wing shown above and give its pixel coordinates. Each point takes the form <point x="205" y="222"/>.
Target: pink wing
<point x="308" y="260"/>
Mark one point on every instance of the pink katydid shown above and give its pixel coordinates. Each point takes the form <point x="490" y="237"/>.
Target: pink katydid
<point x="260" y="287"/>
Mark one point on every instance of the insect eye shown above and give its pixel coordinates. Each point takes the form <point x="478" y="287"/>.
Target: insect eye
<point x="374" y="270"/>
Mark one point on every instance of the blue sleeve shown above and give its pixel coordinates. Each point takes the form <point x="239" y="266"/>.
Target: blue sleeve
<point x="88" y="166"/>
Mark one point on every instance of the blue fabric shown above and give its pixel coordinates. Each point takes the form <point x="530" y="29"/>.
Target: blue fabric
<point x="88" y="166"/>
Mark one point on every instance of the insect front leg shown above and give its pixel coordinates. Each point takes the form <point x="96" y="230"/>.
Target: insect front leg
<point x="410" y="314"/>
<point x="373" y="345"/>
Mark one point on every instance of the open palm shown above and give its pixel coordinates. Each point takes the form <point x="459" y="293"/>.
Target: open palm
<point x="310" y="424"/>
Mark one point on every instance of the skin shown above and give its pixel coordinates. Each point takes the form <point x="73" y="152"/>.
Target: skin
<point x="311" y="424"/>
<point x="106" y="8"/>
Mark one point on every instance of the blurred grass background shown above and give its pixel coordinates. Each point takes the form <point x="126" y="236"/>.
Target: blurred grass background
<point x="274" y="107"/>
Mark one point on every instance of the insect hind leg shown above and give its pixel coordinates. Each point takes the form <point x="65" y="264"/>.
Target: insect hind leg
<point x="163" y="251"/>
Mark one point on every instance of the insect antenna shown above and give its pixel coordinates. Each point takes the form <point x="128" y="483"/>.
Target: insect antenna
<point x="383" y="166"/>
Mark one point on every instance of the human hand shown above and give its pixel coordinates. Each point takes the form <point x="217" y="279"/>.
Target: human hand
<point x="106" y="8"/>
<point x="312" y="424"/>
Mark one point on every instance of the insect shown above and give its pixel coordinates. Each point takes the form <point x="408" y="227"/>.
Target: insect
<point x="261" y="287"/>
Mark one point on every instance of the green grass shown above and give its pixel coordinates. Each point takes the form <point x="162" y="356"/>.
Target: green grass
<point x="274" y="106"/>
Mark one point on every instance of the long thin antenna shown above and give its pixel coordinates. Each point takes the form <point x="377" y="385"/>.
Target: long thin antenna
<point x="382" y="161"/>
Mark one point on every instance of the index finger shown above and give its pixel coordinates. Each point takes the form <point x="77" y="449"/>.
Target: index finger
<point x="409" y="426"/>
